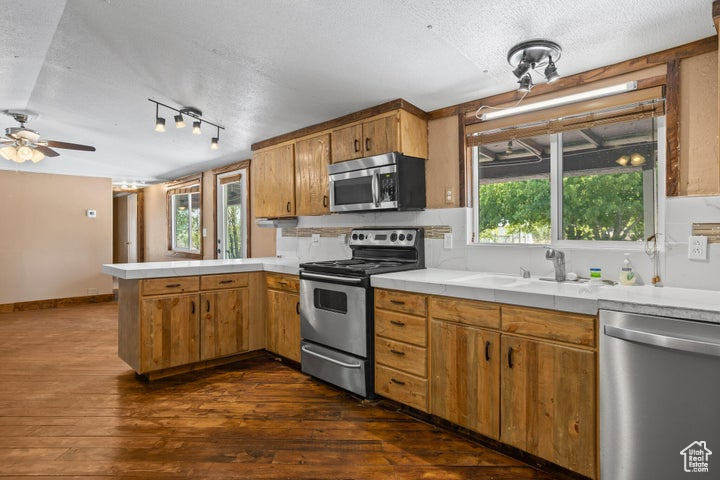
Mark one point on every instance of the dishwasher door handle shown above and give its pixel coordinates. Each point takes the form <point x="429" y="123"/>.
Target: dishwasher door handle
<point x="663" y="341"/>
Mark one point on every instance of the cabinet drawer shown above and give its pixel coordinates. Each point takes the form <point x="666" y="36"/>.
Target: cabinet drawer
<point x="561" y="326"/>
<point x="398" y="326"/>
<point x="401" y="302"/>
<point x="479" y="314"/>
<point x="162" y="286"/>
<point x="402" y="356"/>
<point x="402" y="387"/>
<point x="279" y="281"/>
<point x="230" y="280"/>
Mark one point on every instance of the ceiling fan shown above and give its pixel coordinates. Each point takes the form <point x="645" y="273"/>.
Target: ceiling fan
<point x="20" y="144"/>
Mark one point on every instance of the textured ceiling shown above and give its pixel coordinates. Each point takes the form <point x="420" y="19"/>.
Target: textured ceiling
<point x="265" y="67"/>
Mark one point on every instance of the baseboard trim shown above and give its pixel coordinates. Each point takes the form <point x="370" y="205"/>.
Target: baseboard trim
<point x="55" y="303"/>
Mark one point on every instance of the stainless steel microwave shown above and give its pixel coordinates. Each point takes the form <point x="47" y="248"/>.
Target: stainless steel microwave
<point x="392" y="181"/>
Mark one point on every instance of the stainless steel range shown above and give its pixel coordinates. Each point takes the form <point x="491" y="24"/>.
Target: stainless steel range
<point x="336" y="305"/>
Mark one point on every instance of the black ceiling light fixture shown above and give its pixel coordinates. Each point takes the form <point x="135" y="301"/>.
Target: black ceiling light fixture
<point x="192" y="112"/>
<point x="528" y="56"/>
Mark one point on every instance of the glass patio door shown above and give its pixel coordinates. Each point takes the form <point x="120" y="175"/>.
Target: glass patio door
<point x="232" y="215"/>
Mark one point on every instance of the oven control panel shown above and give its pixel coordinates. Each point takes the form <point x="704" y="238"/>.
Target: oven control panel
<point x="393" y="237"/>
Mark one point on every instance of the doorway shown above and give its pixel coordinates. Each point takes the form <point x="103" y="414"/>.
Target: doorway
<point x="126" y="228"/>
<point x="232" y="224"/>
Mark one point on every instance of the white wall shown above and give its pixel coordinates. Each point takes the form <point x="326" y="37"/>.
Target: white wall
<point x="675" y="269"/>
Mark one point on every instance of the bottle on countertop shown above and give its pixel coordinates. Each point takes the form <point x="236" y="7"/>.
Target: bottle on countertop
<point x="627" y="274"/>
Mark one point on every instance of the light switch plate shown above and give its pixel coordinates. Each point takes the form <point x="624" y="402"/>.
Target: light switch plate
<point x="447" y="241"/>
<point x="697" y="247"/>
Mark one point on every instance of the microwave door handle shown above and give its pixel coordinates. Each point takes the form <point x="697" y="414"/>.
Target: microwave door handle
<point x="376" y="189"/>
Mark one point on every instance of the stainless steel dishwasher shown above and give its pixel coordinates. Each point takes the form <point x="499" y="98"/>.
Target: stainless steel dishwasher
<point x="659" y="398"/>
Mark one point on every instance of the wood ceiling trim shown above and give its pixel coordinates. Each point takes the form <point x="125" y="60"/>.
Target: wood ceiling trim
<point x="692" y="49"/>
<point x="341" y="121"/>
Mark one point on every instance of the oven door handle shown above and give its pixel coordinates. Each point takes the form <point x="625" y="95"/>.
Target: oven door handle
<point x="331" y="360"/>
<point x="376" y="188"/>
<point x="332" y="278"/>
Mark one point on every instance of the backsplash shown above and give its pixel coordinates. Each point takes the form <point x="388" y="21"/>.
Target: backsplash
<point x="674" y="267"/>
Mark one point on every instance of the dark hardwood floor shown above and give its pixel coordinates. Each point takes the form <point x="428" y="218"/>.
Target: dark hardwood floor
<point x="69" y="408"/>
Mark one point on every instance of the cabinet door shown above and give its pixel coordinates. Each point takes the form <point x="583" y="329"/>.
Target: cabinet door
<point x="169" y="331"/>
<point x="284" y="324"/>
<point x="347" y="143"/>
<point x="548" y="402"/>
<point x="224" y="323"/>
<point x="381" y="136"/>
<point x="274" y="182"/>
<point x="312" y="157"/>
<point x="465" y="383"/>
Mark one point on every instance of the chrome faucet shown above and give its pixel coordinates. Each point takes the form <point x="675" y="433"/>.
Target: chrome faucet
<point x="558" y="259"/>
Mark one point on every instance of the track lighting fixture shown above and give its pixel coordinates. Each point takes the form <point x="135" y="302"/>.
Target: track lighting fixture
<point x="509" y="150"/>
<point x="180" y="121"/>
<point x="634" y="160"/>
<point x="528" y="56"/>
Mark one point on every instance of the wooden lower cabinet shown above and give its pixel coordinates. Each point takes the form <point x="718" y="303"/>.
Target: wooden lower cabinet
<point x="283" y="316"/>
<point x="224" y="323"/>
<point x="170" y="330"/>
<point x="465" y="385"/>
<point x="548" y="402"/>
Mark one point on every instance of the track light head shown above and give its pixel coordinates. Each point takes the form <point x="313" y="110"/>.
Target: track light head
<point x="526" y="84"/>
<point x="159" y="124"/>
<point x="214" y="143"/>
<point x="551" y="73"/>
<point x="522" y="68"/>
<point x="179" y="121"/>
<point x="196" y="128"/>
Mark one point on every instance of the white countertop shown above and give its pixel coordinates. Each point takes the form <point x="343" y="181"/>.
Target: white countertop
<point x="703" y="305"/>
<point x="131" y="271"/>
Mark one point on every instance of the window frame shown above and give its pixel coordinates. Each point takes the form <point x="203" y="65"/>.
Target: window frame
<point x="556" y="193"/>
<point x="184" y="186"/>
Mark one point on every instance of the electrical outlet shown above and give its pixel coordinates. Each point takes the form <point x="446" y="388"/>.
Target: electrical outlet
<point x="447" y="241"/>
<point x="449" y="194"/>
<point x="315" y="238"/>
<point x="697" y="247"/>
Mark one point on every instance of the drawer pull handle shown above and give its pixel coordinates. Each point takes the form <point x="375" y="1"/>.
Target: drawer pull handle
<point x="172" y="285"/>
<point x="397" y="381"/>
<point x="356" y="144"/>
<point x="510" y="357"/>
<point x="397" y="352"/>
<point x="397" y="302"/>
<point x="398" y="323"/>
<point x="223" y="282"/>
<point x="487" y="351"/>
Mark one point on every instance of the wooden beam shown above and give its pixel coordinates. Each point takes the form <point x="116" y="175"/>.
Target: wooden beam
<point x="340" y="121"/>
<point x="672" y="112"/>
<point x="590" y="137"/>
<point x="698" y="47"/>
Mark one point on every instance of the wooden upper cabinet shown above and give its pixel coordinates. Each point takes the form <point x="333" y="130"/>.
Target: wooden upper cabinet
<point x="312" y="157"/>
<point x="347" y="143"/>
<point x="274" y="182"/>
<point x="400" y="131"/>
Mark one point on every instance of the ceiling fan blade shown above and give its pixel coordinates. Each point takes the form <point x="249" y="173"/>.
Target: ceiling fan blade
<point x="70" y="146"/>
<point x="48" y="152"/>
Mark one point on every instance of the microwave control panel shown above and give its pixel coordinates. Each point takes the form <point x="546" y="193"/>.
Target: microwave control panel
<point x="387" y="187"/>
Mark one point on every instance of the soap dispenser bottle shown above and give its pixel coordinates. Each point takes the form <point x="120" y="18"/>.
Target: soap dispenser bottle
<point x="627" y="274"/>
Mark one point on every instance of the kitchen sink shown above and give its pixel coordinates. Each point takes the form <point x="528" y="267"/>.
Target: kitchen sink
<point x="490" y="280"/>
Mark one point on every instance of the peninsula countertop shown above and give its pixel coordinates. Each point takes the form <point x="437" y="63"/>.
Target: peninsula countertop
<point x="179" y="268"/>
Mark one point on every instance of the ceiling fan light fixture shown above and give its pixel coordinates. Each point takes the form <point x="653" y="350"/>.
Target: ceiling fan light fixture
<point x="179" y="121"/>
<point x="10" y="153"/>
<point x="24" y="153"/>
<point x="196" y="128"/>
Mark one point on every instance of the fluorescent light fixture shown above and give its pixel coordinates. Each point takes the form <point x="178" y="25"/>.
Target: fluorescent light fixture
<point x="556" y="102"/>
